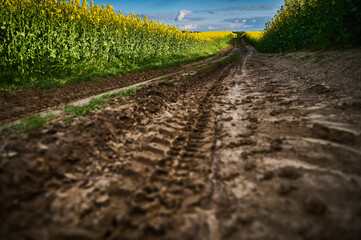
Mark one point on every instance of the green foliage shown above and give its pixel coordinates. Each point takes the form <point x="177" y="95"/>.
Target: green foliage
<point x="53" y="42"/>
<point x="312" y="24"/>
<point x="35" y="122"/>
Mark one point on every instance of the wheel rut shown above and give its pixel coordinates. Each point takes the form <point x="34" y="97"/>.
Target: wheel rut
<point x="180" y="153"/>
<point x="243" y="150"/>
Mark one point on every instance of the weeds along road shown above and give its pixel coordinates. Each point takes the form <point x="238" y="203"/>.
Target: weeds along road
<point x="254" y="148"/>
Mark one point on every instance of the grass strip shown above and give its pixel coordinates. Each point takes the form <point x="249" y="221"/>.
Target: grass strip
<point x="39" y="121"/>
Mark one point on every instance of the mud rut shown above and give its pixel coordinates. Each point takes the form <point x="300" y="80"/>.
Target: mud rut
<point x="241" y="151"/>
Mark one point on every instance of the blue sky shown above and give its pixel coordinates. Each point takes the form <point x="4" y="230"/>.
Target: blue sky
<point x="209" y="15"/>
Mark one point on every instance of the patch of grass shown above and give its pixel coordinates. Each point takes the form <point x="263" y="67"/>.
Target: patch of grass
<point x="239" y="43"/>
<point x="68" y="122"/>
<point x="319" y="57"/>
<point x="306" y="57"/>
<point x="5" y="91"/>
<point x="27" y="124"/>
<point x="35" y="122"/>
<point x="95" y="103"/>
<point x="80" y="110"/>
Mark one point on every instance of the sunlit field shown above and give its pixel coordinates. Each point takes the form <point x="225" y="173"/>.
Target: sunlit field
<point x="312" y="24"/>
<point x="50" y="43"/>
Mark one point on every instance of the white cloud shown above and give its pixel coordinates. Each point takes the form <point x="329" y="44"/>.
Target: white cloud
<point x="237" y="21"/>
<point x="244" y="20"/>
<point x="189" y="27"/>
<point x="254" y="20"/>
<point x="232" y="25"/>
<point x="182" y="14"/>
<point x="212" y="28"/>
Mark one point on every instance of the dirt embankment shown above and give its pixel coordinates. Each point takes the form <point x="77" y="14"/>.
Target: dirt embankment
<point x="24" y="102"/>
<point x="255" y="148"/>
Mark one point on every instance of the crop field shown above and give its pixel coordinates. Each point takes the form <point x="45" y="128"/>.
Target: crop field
<point x="311" y="24"/>
<point x="49" y="43"/>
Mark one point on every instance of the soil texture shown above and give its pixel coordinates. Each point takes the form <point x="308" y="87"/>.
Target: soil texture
<point x="258" y="148"/>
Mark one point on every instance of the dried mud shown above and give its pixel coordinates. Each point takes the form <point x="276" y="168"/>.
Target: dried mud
<point x="255" y="148"/>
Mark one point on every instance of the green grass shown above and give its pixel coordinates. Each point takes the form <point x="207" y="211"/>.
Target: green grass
<point x="95" y="103"/>
<point x="240" y="45"/>
<point x="28" y="124"/>
<point x="319" y="57"/>
<point x="37" y="121"/>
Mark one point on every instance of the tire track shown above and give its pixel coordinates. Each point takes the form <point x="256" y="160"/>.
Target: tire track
<point x="179" y="157"/>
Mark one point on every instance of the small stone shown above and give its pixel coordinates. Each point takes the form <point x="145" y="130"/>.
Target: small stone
<point x="70" y="176"/>
<point x="11" y="154"/>
<point x="102" y="200"/>
<point x="191" y="200"/>
<point x="42" y="147"/>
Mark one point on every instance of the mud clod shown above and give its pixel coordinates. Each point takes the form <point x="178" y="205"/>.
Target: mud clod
<point x="315" y="206"/>
<point x="268" y="175"/>
<point x="289" y="172"/>
<point x="276" y="144"/>
<point x="286" y="189"/>
<point x="249" y="166"/>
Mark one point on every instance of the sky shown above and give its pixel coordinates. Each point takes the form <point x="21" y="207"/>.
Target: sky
<point x="208" y="15"/>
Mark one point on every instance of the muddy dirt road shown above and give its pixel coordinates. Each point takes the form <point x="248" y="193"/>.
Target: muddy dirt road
<point x="260" y="147"/>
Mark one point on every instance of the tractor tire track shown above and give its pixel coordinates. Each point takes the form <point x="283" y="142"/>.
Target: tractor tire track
<point x="249" y="149"/>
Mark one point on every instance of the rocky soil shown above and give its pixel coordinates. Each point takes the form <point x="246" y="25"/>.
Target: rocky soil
<point x="260" y="147"/>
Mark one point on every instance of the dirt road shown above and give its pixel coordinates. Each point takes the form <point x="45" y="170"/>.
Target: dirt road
<point x="260" y="147"/>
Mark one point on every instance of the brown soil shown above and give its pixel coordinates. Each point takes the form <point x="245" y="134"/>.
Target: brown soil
<point x="256" y="148"/>
<point x="24" y="102"/>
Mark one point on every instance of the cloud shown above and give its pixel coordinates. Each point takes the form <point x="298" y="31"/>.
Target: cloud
<point x="196" y="18"/>
<point x="250" y="19"/>
<point x="239" y="26"/>
<point x="182" y="14"/>
<point x="242" y="8"/>
<point x="212" y="28"/>
<point x="189" y="27"/>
